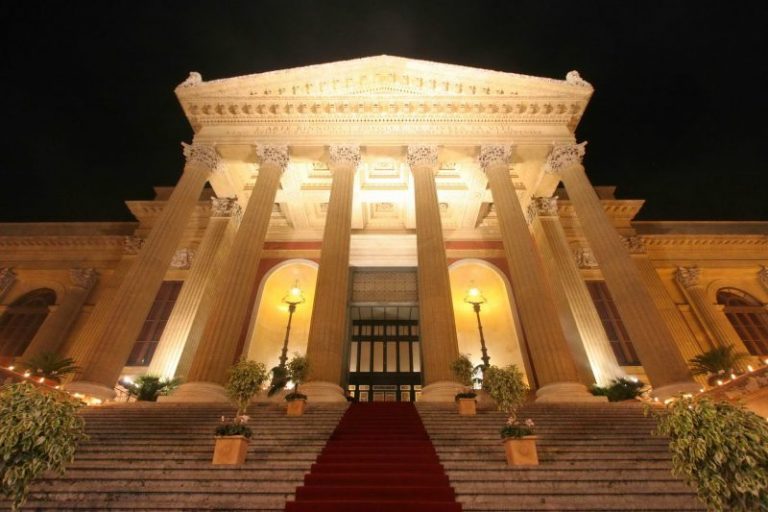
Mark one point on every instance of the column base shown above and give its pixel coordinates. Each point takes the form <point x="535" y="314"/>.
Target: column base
<point x="197" y="392"/>
<point x="441" y="391"/>
<point x="91" y="389"/>
<point x="567" y="392"/>
<point x="320" y="391"/>
<point x="673" y="390"/>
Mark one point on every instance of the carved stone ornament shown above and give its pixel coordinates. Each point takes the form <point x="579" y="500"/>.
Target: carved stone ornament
<point x="584" y="257"/>
<point x="494" y="155"/>
<point x="762" y="274"/>
<point x="183" y="259"/>
<point x="530" y="212"/>
<point x="345" y="155"/>
<point x="563" y="157"/>
<point x="7" y="278"/>
<point x="203" y="155"/>
<point x="574" y="78"/>
<point x="273" y="154"/>
<point x="192" y="80"/>
<point x="422" y="155"/>
<point x="634" y="244"/>
<point x="687" y="276"/>
<point x="546" y="206"/>
<point x="83" y="277"/>
<point x="132" y="244"/>
<point x="223" y="206"/>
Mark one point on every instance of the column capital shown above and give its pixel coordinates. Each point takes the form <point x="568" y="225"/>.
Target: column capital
<point x="634" y="244"/>
<point x="203" y="155"/>
<point x="182" y="259"/>
<point x="274" y="154"/>
<point x="83" y="277"/>
<point x="132" y="244"/>
<point x="687" y="276"/>
<point x="584" y="258"/>
<point x="495" y="154"/>
<point x="344" y="155"/>
<point x="546" y="206"/>
<point x="224" y="206"/>
<point x="422" y="155"/>
<point x="564" y="156"/>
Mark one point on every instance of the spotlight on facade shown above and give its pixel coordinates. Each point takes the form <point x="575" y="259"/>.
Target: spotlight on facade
<point x="475" y="297"/>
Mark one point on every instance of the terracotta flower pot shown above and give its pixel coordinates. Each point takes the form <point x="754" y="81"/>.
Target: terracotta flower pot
<point x="230" y="450"/>
<point x="521" y="451"/>
<point x="467" y="406"/>
<point x="296" y="407"/>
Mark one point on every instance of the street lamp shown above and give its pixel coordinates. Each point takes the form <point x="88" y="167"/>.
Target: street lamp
<point x="293" y="299"/>
<point x="476" y="298"/>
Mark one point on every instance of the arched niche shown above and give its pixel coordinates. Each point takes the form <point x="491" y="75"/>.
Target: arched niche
<point x="502" y="334"/>
<point x="267" y="330"/>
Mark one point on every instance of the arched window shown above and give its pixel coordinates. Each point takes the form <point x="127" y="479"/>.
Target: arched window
<point x="749" y="318"/>
<point x="22" y="319"/>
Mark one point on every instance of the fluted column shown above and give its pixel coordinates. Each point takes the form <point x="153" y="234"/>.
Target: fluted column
<point x="328" y="327"/>
<point x="7" y="278"/>
<point x="762" y="275"/>
<point x="686" y="341"/>
<point x="55" y="328"/>
<point x="662" y="361"/>
<point x="714" y="321"/>
<point x="120" y="319"/>
<point x="570" y="288"/>
<point x="232" y="304"/>
<point x="556" y="372"/>
<point x="177" y="336"/>
<point x="436" y="320"/>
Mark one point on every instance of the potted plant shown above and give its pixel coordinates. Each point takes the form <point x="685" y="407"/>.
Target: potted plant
<point x="718" y="363"/>
<point x="466" y="400"/>
<point x="620" y="389"/>
<point x="50" y="365"/>
<point x="147" y="388"/>
<point x="298" y="368"/>
<point x="245" y="381"/>
<point x="39" y="431"/>
<point x="508" y="389"/>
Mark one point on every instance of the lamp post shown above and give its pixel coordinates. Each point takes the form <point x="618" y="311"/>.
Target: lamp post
<point x="293" y="299"/>
<point x="476" y="298"/>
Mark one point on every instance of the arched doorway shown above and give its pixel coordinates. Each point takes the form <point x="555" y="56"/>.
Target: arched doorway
<point x="22" y="319"/>
<point x="748" y="317"/>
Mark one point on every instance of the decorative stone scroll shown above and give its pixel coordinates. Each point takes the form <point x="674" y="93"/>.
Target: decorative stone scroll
<point x="563" y="157"/>
<point x="762" y="275"/>
<point x="83" y="277"/>
<point x="422" y="155"/>
<point x="345" y="155"/>
<point x="7" y="278"/>
<point x="574" y="78"/>
<point x="192" y="80"/>
<point x="584" y="258"/>
<point x="530" y="212"/>
<point x="634" y="244"/>
<point x="203" y="155"/>
<point x="182" y="260"/>
<point x="274" y="154"/>
<point x="224" y="206"/>
<point x="687" y="276"/>
<point x="494" y="154"/>
<point x="132" y="244"/>
<point x="546" y="206"/>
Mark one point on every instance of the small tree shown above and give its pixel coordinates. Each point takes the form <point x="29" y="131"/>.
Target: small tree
<point x="463" y="370"/>
<point x="298" y="370"/>
<point x="39" y="431"/>
<point x="50" y="365"/>
<point x="720" y="448"/>
<point x="148" y="387"/>
<point x="245" y="381"/>
<point x="506" y="386"/>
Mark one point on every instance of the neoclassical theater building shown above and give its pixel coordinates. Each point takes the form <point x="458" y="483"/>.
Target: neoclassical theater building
<point x="363" y="200"/>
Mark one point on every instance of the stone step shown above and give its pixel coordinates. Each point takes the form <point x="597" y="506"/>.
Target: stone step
<point x="578" y="502"/>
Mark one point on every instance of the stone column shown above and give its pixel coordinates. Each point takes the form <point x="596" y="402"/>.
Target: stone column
<point x="436" y="320"/>
<point x="655" y="345"/>
<point x="715" y="323"/>
<point x="762" y="275"/>
<point x="7" y="278"/>
<point x="120" y="319"/>
<point x="686" y="341"/>
<point x="570" y="288"/>
<point x="328" y="328"/>
<point x="186" y="312"/>
<point x="232" y="303"/>
<point x="50" y="336"/>
<point x="551" y="358"/>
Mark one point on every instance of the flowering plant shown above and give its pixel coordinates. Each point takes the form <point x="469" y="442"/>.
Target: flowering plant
<point x="237" y="427"/>
<point x="515" y="429"/>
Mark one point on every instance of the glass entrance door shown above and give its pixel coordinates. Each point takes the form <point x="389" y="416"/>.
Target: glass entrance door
<point x="385" y="354"/>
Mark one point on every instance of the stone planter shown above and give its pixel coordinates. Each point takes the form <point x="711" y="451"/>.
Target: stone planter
<point x="521" y="451"/>
<point x="467" y="406"/>
<point x="296" y="407"/>
<point x="230" y="450"/>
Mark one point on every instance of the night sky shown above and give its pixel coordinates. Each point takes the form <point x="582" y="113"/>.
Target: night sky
<point x="89" y="118"/>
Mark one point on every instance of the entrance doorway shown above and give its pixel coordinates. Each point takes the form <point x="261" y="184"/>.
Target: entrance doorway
<point x="385" y="354"/>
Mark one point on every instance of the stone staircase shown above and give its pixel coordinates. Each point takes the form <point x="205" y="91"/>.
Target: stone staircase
<point x="594" y="457"/>
<point x="150" y="456"/>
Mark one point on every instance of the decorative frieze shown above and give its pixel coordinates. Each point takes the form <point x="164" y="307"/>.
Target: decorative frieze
<point x="182" y="260"/>
<point x="203" y="155"/>
<point x="384" y="287"/>
<point x="493" y="155"/>
<point x="422" y="155"/>
<point x="584" y="258"/>
<point x="274" y="154"/>
<point x="634" y="244"/>
<point x="688" y="276"/>
<point x="345" y="155"/>
<point x="132" y="244"/>
<point x="564" y="156"/>
<point x="83" y="277"/>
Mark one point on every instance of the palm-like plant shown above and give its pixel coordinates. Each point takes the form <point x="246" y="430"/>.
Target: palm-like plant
<point x="50" y="365"/>
<point x="717" y="361"/>
<point x="148" y="387"/>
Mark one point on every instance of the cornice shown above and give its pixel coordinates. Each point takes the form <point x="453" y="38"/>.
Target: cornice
<point x="67" y="242"/>
<point x="615" y="208"/>
<point x="149" y="209"/>
<point x="705" y="241"/>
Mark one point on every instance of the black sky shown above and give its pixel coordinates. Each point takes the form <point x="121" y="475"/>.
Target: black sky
<point x="89" y="118"/>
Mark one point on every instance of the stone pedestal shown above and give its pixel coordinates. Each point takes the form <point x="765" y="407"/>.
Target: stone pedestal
<point x="441" y="391"/>
<point x="319" y="391"/>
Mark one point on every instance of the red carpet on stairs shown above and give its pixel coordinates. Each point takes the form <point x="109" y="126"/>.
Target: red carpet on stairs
<point x="379" y="459"/>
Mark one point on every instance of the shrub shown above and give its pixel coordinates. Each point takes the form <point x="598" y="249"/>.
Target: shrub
<point x="506" y="387"/>
<point x="238" y="427"/>
<point x="463" y="370"/>
<point x="39" y="432"/>
<point x="721" y="449"/>
<point x="620" y="389"/>
<point x="717" y="361"/>
<point x="50" y="365"/>
<point x="148" y="387"/>
<point x="516" y="430"/>
<point x="298" y="369"/>
<point x="245" y="381"/>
